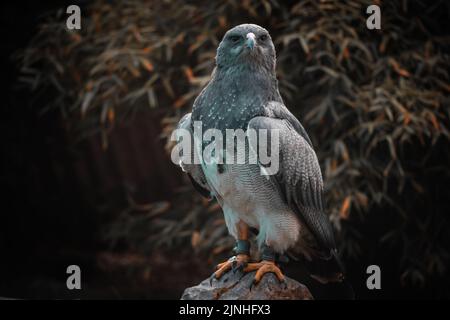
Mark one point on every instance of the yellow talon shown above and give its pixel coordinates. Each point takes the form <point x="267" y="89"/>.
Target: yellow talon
<point x="262" y="268"/>
<point x="234" y="263"/>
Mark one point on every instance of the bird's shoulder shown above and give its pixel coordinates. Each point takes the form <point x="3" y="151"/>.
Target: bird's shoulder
<point x="278" y="110"/>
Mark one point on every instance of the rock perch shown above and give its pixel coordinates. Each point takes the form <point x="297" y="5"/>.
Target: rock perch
<point x="232" y="287"/>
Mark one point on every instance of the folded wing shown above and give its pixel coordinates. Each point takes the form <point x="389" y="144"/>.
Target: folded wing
<point x="299" y="179"/>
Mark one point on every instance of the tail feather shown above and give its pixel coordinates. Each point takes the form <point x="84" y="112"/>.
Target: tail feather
<point x="324" y="276"/>
<point x="326" y="269"/>
<point x="330" y="273"/>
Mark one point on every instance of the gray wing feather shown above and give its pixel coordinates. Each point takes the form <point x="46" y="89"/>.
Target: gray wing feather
<point x="299" y="179"/>
<point x="194" y="171"/>
<point x="278" y="110"/>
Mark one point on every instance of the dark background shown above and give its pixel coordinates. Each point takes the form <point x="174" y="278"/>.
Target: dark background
<point x="57" y="196"/>
<point x="50" y="217"/>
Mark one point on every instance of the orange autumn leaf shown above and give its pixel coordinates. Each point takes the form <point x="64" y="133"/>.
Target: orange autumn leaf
<point x="397" y="68"/>
<point x="345" y="155"/>
<point x="333" y="165"/>
<point x="346" y="53"/>
<point x="219" y="249"/>
<point x="200" y="39"/>
<point x="403" y="72"/>
<point x="76" y="37"/>
<point x="179" y="102"/>
<point x="147" y="64"/>
<point x="111" y="115"/>
<point x="222" y="21"/>
<point x="406" y="118"/>
<point x="195" y="239"/>
<point x="189" y="74"/>
<point x="382" y="47"/>
<point x="179" y="38"/>
<point x="147" y="50"/>
<point x="135" y="72"/>
<point x="218" y="222"/>
<point x="215" y="207"/>
<point x="434" y="121"/>
<point x="89" y="85"/>
<point x="345" y="208"/>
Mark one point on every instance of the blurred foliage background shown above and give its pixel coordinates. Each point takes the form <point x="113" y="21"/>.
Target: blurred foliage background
<point x="374" y="102"/>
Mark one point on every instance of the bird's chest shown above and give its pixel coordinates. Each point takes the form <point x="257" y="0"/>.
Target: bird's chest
<point x="234" y="185"/>
<point x="228" y="105"/>
<point x="229" y="115"/>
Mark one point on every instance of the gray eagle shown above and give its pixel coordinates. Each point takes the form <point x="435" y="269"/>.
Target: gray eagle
<point x="285" y="209"/>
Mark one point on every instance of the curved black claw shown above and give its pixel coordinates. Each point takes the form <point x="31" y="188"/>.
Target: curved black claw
<point x="239" y="267"/>
<point x="252" y="284"/>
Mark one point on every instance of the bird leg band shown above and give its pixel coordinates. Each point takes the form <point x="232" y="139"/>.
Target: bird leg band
<point x="242" y="247"/>
<point x="267" y="253"/>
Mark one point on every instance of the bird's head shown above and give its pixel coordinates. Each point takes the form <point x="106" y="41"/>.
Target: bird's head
<point x="246" y="45"/>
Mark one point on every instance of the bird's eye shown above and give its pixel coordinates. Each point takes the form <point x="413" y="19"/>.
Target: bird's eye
<point x="263" y="37"/>
<point x="234" y="38"/>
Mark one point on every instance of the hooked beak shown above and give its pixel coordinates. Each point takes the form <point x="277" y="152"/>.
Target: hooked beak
<point x="251" y="41"/>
